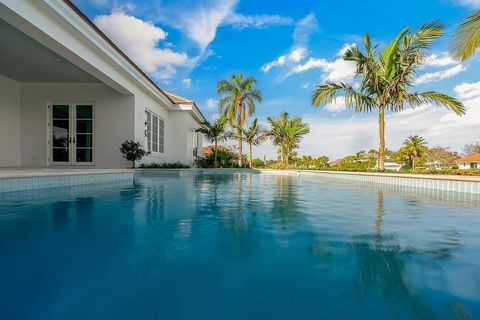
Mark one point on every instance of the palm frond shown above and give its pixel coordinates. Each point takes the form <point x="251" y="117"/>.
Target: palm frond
<point x="466" y="40"/>
<point x="437" y="99"/>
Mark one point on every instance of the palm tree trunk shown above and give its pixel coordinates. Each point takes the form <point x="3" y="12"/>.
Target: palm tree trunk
<point x="250" y="158"/>
<point x="413" y="163"/>
<point x="239" y="148"/>
<point x="381" y="132"/>
<point x="215" y="161"/>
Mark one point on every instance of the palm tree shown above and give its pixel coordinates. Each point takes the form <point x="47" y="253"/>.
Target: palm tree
<point x="466" y="39"/>
<point x="214" y="132"/>
<point x="414" y="147"/>
<point x="386" y="77"/>
<point x="239" y="98"/>
<point x="286" y="134"/>
<point x="254" y="135"/>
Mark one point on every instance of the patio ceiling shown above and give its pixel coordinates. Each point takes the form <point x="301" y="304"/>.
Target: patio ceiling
<point x="26" y="60"/>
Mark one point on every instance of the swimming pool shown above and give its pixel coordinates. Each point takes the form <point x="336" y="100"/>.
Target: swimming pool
<point x="185" y="245"/>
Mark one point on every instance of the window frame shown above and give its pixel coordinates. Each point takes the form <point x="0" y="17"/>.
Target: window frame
<point x="149" y="134"/>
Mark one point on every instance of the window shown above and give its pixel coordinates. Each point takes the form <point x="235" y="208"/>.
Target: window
<point x="195" y="143"/>
<point x="154" y="133"/>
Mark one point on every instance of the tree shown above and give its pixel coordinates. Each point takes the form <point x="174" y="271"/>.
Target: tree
<point x="132" y="151"/>
<point x="414" y="147"/>
<point x="466" y="39"/>
<point x="286" y="134"/>
<point x="254" y="135"/>
<point x="443" y="155"/>
<point x="238" y="102"/>
<point x="472" y="148"/>
<point x="214" y="132"/>
<point x="386" y="78"/>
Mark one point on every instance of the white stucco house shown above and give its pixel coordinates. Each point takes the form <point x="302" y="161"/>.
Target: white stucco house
<point x="69" y="96"/>
<point x="470" y="162"/>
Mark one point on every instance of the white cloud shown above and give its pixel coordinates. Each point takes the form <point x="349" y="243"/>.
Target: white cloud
<point x="240" y="21"/>
<point x="211" y="103"/>
<point x="187" y="82"/>
<point x="467" y="91"/>
<point x="337" y="70"/>
<point x="200" y="20"/>
<point x="440" y="75"/>
<point x="200" y="24"/>
<point x="139" y="40"/>
<point x="439" y="60"/>
<point x="336" y="106"/>
<point x="294" y="56"/>
<point x="470" y="3"/>
<point x="301" y="35"/>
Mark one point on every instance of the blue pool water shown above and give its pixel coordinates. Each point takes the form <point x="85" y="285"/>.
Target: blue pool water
<point x="238" y="246"/>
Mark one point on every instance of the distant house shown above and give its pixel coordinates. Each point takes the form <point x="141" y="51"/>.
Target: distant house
<point x="470" y="162"/>
<point x="334" y="163"/>
<point x="390" y="164"/>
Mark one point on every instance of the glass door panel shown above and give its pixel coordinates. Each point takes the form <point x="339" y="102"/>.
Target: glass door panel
<point x="60" y="133"/>
<point x="84" y="133"/>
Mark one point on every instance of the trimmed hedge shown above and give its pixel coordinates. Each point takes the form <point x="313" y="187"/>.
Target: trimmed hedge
<point x="166" y="165"/>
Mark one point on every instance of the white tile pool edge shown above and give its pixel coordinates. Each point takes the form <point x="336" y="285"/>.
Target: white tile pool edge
<point x="34" y="182"/>
<point x="446" y="183"/>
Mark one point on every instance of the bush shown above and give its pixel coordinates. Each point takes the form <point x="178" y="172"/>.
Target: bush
<point x="132" y="151"/>
<point x="225" y="158"/>
<point x="166" y="165"/>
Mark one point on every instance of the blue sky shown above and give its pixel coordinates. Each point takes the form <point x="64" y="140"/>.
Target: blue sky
<point x="291" y="46"/>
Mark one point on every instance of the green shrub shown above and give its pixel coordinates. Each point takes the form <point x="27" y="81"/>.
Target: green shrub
<point x="165" y="165"/>
<point x="132" y="151"/>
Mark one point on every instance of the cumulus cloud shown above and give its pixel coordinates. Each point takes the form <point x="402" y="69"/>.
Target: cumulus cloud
<point x="467" y="90"/>
<point x="294" y="56"/>
<point x="442" y="59"/>
<point x="440" y="75"/>
<point x="336" y="70"/>
<point x="336" y="106"/>
<point x="301" y="35"/>
<point x="139" y="39"/>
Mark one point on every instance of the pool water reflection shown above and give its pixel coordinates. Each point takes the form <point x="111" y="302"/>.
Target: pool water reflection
<point x="238" y="246"/>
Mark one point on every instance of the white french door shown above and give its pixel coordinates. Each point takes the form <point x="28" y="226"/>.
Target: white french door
<point x="71" y="132"/>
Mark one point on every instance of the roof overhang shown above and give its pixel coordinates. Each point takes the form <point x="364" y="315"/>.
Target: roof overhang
<point x="193" y="109"/>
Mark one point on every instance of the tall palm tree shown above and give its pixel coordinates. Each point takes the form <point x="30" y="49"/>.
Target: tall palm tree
<point x="238" y="102"/>
<point x="214" y="132"/>
<point x="414" y="147"/>
<point x="466" y="39"/>
<point x="286" y="134"/>
<point x="386" y="78"/>
<point x="254" y="135"/>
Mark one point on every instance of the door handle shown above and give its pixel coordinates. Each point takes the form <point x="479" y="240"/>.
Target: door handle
<point x="73" y="139"/>
<point x="70" y="140"/>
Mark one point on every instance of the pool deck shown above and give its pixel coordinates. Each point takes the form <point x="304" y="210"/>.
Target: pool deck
<point x="6" y="173"/>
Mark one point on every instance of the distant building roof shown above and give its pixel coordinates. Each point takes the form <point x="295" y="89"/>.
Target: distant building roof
<point x="472" y="158"/>
<point x="208" y="150"/>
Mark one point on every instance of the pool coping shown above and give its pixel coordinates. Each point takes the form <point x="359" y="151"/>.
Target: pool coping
<point x="7" y="173"/>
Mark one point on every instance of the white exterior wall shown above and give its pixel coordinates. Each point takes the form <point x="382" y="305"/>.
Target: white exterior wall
<point x="9" y="122"/>
<point x="466" y="165"/>
<point x="180" y="137"/>
<point x="113" y="120"/>
<point x="121" y="111"/>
